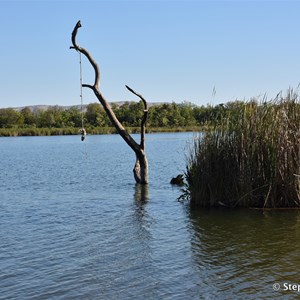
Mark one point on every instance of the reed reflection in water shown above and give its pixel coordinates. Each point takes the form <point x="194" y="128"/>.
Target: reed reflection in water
<point x="244" y="252"/>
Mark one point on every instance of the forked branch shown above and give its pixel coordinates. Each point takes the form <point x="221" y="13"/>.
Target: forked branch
<point x="141" y="167"/>
<point x="144" y="119"/>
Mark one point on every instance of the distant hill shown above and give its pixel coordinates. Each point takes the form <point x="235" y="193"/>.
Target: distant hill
<point x="35" y="108"/>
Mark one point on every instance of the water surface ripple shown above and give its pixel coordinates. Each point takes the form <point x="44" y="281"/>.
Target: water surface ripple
<point x="73" y="225"/>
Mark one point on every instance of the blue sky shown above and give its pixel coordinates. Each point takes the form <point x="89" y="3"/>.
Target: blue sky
<point x="165" y="50"/>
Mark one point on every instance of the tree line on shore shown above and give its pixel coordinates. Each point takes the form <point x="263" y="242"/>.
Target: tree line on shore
<point x="167" y="115"/>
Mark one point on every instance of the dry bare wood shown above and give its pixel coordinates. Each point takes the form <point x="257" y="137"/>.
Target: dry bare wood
<point x="140" y="169"/>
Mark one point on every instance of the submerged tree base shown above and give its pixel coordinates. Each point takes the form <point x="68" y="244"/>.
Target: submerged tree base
<point x="252" y="159"/>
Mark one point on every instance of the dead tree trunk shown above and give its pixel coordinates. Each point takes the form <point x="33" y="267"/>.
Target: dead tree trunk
<point x="140" y="170"/>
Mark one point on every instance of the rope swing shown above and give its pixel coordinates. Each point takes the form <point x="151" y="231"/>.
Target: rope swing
<point x="82" y="130"/>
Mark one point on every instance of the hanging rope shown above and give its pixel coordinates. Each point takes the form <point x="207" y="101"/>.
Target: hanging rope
<point x="82" y="130"/>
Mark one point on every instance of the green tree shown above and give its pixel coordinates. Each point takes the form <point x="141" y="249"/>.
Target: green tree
<point x="93" y="114"/>
<point x="29" y="117"/>
<point x="48" y="118"/>
<point x="10" y="118"/>
<point x="71" y="117"/>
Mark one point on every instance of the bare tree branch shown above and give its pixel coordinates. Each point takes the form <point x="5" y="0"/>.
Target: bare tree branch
<point x="86" y="53"/>
<point x="141" y="166"/>
<point x="144" y="119"/>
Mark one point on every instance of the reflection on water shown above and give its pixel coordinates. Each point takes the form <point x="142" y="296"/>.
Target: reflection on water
<point x="141" y="216"/>
<point x="141" y="194"/>
<point x="245" y="252"/>
<point x="73" y="225"/>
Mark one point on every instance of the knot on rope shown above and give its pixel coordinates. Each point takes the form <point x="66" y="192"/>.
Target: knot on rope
<point x="83" y="134"/>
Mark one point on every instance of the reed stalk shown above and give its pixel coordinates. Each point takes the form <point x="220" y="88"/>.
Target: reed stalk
<point x="250" y="159"/>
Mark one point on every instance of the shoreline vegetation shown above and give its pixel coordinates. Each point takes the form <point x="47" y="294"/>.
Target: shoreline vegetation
<point x="15" y="132"/>
<point x="250" y="159"/>
<point x="55" y="120"/>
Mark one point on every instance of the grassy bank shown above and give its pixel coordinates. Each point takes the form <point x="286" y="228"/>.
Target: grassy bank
<point x="6" y="132"/>
<point x="251" y="159"/>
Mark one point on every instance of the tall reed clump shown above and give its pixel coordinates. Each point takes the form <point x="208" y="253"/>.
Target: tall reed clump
<point x="250" y="159"/>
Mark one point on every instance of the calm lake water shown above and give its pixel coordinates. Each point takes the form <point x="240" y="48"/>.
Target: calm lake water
<point x="73" y="225"/>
